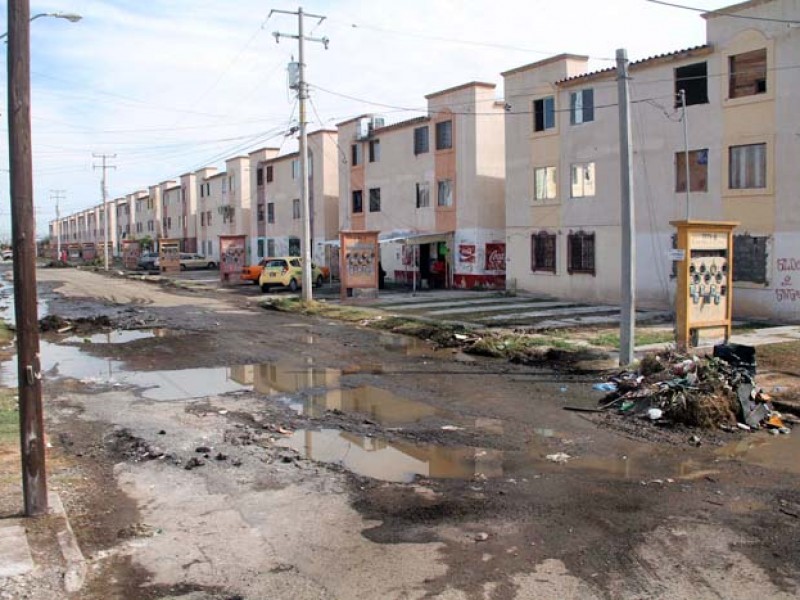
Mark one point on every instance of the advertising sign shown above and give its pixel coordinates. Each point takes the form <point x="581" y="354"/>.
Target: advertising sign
<point x="130" y="254"/>
<point x="496" y="257"/>
<point x="169" y="256"/>
<point x="359" y="257"/>
<point x="89" y="251"/>
<point x="232" y="257"/>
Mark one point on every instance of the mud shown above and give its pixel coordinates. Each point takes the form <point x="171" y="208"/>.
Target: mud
<point x="433" y="452"/>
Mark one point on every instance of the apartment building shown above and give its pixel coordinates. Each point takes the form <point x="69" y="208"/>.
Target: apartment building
<point x="562" y="164"/>
<point x="277" y="226"/>
<point x="433" y="187"/>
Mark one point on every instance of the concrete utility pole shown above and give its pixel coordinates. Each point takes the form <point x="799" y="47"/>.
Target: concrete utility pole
<point x="302" y="96"/>
<point x="104" y="190"/>
<point x="628" y="222"/>
<point x="34" y="477"/>
<point x="57" y="195"/>
<point x="685" y="119"/>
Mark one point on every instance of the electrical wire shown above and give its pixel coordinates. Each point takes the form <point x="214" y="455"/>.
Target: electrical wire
<point x="721" y="12"/>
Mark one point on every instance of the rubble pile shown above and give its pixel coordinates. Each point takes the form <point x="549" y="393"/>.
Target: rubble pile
<point x="717" y="391"/>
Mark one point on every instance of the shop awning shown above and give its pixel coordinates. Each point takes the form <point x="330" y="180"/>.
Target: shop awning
<point x="417" y="239"/>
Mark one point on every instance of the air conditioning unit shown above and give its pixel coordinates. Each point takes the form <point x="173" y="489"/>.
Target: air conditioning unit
<point x="377" y="123"/>
<point x="363" y="128"/>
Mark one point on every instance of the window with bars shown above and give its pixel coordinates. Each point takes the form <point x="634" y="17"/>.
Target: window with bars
<point x="421" y="140"/>
<point x="543" y="252"/>
<point x="580" y="252"/>
<point x="375" y="200"/>
<point x="444" y="135"/>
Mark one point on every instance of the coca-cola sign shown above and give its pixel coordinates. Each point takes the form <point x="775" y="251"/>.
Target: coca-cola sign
<point x="495" y="257"/>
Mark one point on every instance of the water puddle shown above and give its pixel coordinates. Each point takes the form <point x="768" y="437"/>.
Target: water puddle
<point x="118" y="336"/>
<point x="781" y="453"/>
<point x="394" y="461"/>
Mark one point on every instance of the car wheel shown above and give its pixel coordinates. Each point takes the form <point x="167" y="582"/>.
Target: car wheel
<point x="211" y="265"/>
<point x="319" y="281"/>
<point x="183" y="267"/>
<point x="264" y="288"/>
<point x="293" y="285"/>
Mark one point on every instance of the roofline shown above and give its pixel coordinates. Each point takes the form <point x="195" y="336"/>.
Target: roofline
<point x="215" y="175"/>
<point x="264" y="149"/>
<point x="364" y="116"/>
<point x="463" y="86"/>
<point x="542" y="63"/>
<point x="638" y="65"/>
<point x="402" y="124"/>
<point x="734" y="8"/>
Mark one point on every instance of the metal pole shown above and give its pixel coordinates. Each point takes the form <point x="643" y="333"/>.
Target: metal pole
<point x="34" y="478"/>
<point x="104" y="191"/>
<point x="58" y="228"/>
<point x="302" y="95"/>
<point x="628" y="222"/>
<point x="682" y="94"/>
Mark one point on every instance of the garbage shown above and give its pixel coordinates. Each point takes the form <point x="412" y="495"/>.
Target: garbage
<point x="717" y="391"/>
<point x="558" y="457"/>
<point x="481" y="537"/>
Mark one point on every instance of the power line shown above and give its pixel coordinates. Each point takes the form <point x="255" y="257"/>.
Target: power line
<point x="723" y="13"/>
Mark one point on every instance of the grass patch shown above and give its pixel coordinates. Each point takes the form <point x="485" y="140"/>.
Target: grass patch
<point x="784" y="357"/>
<point x="9" y="416"/>
<point x="6" y="333"/>
<point x="610" y="339"/>
<point x="319" y="309"/>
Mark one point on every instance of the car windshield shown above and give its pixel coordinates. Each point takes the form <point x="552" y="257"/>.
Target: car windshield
<point x="275" y="263"/>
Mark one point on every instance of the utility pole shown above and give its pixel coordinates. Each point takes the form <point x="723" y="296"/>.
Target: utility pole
<point x="29" y="374"/>
<point x="302" y="96"/>
<point x="104" y="191"/>
<point x="57" y="195"/>
<point x="685" y="119"/>
<point x="628" y="222"/>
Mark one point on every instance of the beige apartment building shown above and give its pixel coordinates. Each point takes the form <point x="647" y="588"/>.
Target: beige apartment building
<point x="562" y="164"/>
<point x="277" y="226"/>
<point x="433" y="187"/>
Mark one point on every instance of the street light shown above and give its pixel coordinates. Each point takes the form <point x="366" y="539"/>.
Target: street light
<point x="71" y="17"/>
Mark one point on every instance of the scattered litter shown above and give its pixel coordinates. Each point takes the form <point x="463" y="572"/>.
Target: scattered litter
<point x="202" y="449"/>
<point x="451" y="428"/>
<point x="695" y="441"/>
<point x="222" y="412"/>
<point x="481" y="537"/>
<point x="717" y="391"/>
<point x="558" y="457"/>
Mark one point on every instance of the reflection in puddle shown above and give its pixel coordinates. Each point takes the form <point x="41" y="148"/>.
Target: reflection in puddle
<point x="780" y="452"/>
<point x="379" y="405"/>
<point x="118" y="336"/>
<point x="394" y="461"/>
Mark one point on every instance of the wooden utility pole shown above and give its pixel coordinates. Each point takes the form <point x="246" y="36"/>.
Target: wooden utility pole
<point x="34" y="479"/>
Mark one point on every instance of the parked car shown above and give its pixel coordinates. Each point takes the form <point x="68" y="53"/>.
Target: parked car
<point x="147" y="261"/>
<point x="8" y="254"/>
<point x="253" y="272"/>
<point x="192" y="261"/>
<point x="286" y="271"/>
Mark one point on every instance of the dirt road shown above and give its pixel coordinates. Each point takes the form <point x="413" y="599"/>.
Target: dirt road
<point x="238" y="453"/>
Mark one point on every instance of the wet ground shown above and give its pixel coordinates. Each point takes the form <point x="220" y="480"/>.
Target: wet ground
<point x="464" y="474"/>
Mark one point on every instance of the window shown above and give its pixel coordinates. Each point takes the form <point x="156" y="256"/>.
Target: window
<point x="295" y="168"/>
<point x="581" y="107"/>
<point x="544" y="113"/>
<point x="580" y="252"/>
<point x="259" y="177"/>
<point x="270" y="247"/>
<point x="357" y="154"/>
<point x="232" y="182"/>
<point x="150" y="226"/>
<point x="421" y="141"/>
<point x="445" y="193"/>
<point x="747" y="74"/>
<point x="423" y="195"/>
<point x="224" y="186"/>
<point x="183" y="195"/>
<point x="747" y="167"/>
<point x="260" y="212"/>
<point x="208" y="218"/>
<point x="582" y="180"/>
<point x="374" y="151"/>
<point x="375" y="200"/>
<point x="296" y="208"/>
<point x="202" y="219"/>
<point x="545" y="185"/>
<point x="750" y="258"/>
<point x="294" y="249"/>
<point x="698" y="171"/>
<point x="693" y="80"/>
<point x="543" y="252"/>
<point x="270" y="212"/>
<point x="169" y="222"/>
<point x="260" y="247"/>
<point x="444" y="135"/>
<point x="358" y="201"/>
<point x="269" y="174"/>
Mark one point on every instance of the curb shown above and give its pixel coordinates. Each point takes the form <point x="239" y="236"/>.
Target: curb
<point x="75" y="573"/>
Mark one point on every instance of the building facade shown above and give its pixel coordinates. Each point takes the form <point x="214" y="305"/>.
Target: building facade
<point x="563" y="169"/>
<point x="433" y="187"/>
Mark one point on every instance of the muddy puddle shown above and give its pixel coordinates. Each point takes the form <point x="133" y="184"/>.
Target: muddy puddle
<point x="781" y="452"/>
<point x="118" y="336"/>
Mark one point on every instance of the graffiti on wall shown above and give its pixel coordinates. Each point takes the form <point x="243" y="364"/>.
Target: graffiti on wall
<point x="787" y="292"/>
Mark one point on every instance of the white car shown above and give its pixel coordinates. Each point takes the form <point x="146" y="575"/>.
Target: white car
<point x="192" y="261"/>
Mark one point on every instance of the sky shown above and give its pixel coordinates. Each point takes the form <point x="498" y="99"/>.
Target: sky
<point x="171" y="86"/>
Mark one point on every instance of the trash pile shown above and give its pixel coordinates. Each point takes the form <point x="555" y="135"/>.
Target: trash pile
<point x="717" y="391"/>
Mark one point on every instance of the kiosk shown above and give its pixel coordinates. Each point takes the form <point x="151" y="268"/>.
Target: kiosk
<point x="703" y="300"/>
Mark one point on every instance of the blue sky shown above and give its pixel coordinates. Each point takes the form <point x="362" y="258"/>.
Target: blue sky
<point x="171" y="86"/>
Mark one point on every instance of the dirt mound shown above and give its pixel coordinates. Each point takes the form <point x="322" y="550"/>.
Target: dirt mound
<point x="56" y="323"/>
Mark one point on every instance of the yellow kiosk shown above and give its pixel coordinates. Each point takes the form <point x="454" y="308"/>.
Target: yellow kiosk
<point x="703" y="302"/>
